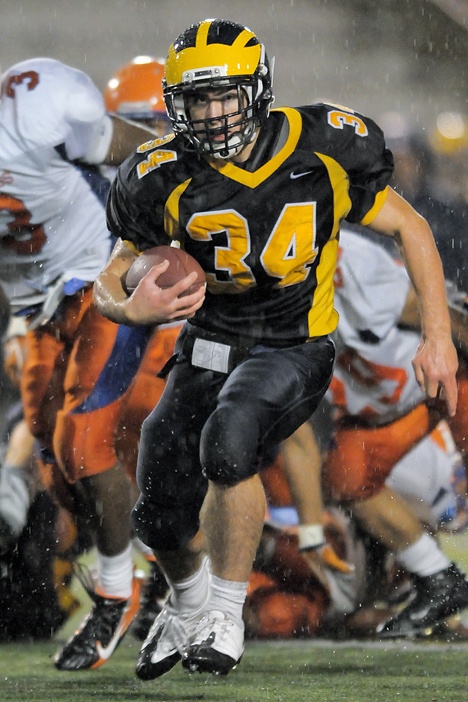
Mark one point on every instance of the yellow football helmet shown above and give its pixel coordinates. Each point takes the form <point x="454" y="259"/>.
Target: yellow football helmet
<point x="217" y="53"/>
<point x="135" y="92"/>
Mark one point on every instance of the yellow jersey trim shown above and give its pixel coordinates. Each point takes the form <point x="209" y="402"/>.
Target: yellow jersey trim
<point x="252" y="180"/>
<point x="376" y="207"/>
<point x="131" y="246"/>
<point x="340" y="184"/>
<point x="323" y="318"/>
<point x="171" y="210"/>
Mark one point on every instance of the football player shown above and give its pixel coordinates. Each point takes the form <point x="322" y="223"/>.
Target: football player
<point x="135" y="92"/>
<point x="428" y="476"/>
<point x="257" y="197"/>
<point x="54" y="132"/>
<point x="381" y="414"/>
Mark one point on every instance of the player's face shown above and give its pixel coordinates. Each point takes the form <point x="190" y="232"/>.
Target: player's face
<point x="215" y="108"/>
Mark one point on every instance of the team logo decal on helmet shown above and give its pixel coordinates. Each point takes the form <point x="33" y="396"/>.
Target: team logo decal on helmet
<point x="216" y="54"/>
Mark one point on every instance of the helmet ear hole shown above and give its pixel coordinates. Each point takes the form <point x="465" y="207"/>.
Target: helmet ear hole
<point x="211" y="55"/>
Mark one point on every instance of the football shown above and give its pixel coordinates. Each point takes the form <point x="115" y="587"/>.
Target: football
<point x="180" y="265"/>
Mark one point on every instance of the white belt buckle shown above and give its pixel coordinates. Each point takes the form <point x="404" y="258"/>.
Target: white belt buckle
<point x="211" y="355"/>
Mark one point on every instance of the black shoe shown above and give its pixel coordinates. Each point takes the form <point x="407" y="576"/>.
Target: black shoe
<point x="100" y="633"/>
<point x="437" y="597"/>
<point x="155" y="590"/>
<point x="168" y="638"/>
<point x="166" y="642"/>
<point x="217" y="644"/>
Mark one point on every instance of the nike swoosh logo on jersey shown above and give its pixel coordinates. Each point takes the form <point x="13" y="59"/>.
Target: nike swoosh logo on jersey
<point x="299" y="175"/>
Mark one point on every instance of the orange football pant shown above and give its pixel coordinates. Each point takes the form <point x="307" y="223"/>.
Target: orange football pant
<point x="78" y="376"/>
<point x="362" y="458"/>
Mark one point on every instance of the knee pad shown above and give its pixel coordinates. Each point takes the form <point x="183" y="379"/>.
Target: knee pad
<point x="228" y="447"/>
<point x="167" y="528"/>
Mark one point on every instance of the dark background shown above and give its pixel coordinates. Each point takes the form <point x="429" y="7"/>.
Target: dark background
<point x="371" y="55"/>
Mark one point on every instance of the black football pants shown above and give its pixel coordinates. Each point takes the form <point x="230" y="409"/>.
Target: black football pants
<point x="208" y="425"/>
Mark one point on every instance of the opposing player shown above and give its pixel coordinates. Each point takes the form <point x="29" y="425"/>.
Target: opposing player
<point x="257" y="198"/>
<point x="291" y="603"/>
<point x="381" y="414"/>
<point x="54" y="131"/>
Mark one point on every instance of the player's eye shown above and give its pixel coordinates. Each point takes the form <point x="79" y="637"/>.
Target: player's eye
<point x="197" y="100"/>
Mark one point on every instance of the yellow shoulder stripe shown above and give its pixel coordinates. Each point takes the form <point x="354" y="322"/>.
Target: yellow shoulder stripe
<point x="340" y="183"/>
<point x="171" y="210"/>
<point x="376" y="207"/>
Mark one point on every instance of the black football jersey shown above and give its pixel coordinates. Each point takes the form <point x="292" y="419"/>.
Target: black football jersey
<point x="266" y="234"/>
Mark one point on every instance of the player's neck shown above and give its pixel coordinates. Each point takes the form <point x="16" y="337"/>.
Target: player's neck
<point x="246" y="152"/>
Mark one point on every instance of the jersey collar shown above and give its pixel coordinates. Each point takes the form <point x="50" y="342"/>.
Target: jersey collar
<point x="252" y="180"/>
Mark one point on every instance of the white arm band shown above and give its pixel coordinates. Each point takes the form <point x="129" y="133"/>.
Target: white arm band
<point x="310" y="536"/>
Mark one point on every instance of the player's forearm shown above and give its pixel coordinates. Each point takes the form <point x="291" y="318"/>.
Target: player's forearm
<point x="458" y="310"/>
<point x="425" y="270"/>
<point x="414" y="237"/>
<point x="110" y="298"/>
<point x="109" y="295"/>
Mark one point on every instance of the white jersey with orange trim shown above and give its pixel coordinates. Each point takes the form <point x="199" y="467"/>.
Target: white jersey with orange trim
<point x="433" y="475"/>
<point x="373" y="374"/>
<point x="52" y="224"/>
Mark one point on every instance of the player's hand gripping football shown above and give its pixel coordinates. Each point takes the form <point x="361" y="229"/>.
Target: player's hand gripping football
<point x="151" y="304"/>
<point x="155" y="297"/>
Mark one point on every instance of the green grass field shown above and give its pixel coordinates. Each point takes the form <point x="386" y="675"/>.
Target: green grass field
<point x="280" y="672"/>
<point x="298" y="671"/>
